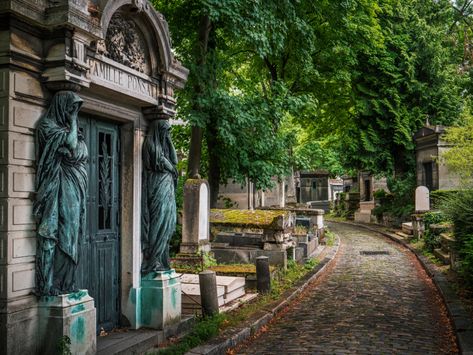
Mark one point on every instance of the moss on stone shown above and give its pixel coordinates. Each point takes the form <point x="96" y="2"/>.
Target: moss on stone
<point x="248" y="218"/>
<point x="236" y="269"/>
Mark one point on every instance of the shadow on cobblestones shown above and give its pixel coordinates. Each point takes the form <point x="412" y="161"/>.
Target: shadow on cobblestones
<point x="366" y="303"/>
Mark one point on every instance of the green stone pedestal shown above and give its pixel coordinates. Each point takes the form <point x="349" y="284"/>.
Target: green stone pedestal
<point x="73" y="316"/>
<point x="160" y="299"/>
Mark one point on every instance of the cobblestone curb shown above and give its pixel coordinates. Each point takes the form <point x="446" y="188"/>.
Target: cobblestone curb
<point x="220" y="347"/>
<point x="462" y="323"/>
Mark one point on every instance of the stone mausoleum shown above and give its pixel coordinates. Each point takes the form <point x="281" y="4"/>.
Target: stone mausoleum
<point x="429" y="171"/>
<point x="116" y="55"/>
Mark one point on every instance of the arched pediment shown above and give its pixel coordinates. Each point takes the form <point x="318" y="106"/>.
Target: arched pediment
<point x="145" y="15"/>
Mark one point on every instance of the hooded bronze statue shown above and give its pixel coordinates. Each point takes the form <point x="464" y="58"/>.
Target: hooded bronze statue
<point x="61" y="187"/>
<point x="158" y="221"/>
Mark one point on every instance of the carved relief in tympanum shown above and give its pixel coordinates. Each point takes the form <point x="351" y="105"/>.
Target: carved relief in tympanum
<point x="125" y="44"/>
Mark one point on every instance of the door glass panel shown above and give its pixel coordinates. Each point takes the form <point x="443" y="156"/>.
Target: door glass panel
<point x="105" y="180"/>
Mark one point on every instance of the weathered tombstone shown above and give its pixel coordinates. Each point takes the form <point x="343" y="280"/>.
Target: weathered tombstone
<point x="195" y="223"/>
<point x="422" y="202"/>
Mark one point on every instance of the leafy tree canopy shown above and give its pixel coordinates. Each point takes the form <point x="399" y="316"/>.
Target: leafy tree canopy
<point x="339" y="85"/>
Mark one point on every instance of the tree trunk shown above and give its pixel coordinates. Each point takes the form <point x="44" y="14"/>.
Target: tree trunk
<point x="195" y="153"/>
<point x="201" y="51"/>
<point x="214" y="165"/>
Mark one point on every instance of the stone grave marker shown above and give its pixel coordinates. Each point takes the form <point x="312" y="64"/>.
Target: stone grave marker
<point x="195" y="222"/>
<point x="422" y="199"/>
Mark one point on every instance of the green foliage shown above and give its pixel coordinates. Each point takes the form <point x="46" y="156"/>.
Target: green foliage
<point x="181" y="140"/>
<point x="329" y="238"/>
<point x="64" y="345"/>
<point x="204" y="330"/>
<point x="434" y="217"/>
<point x="399" y="203"/>
<point x="402" y="71"/>
<point x="208" y="260"/>
<point x="437" y="196"/>
<point x="458" y="157"/>
<point x="311" y="263"/>
<point x="459" y="210"/>
<point x="335" y="85"/>
<point x="432" y="240"/>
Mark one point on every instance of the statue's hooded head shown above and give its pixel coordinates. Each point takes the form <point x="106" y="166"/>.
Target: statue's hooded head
<point x="64" y="107"/>
<point x="160" y="129"/>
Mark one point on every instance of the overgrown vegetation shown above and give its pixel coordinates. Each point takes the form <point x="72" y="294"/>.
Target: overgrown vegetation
<point x="64" y="345"/>
<point x="203" y="330"/>
<point x="398" y="204"/>
<point x="431" y="239"/>
<point x="459" y="210"/>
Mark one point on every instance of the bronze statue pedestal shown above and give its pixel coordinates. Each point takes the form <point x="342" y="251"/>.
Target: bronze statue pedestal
<point x="71" y="315"/>
<point x="160" y="299"/>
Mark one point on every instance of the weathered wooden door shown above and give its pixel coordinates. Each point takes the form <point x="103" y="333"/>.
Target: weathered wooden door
<point x="99" y="265"/>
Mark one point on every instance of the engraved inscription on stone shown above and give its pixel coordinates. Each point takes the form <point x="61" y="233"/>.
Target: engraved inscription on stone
<point x="125" y="44"/>
<point x="125" y="80"/>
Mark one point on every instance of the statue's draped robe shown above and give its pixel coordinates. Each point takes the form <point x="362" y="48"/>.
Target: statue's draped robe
<point x="61" y="185"/>
<point x="158" y="198"/>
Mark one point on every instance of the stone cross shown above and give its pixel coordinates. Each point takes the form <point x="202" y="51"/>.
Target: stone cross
<point x="195" y="222"/>
<point x="422" y="199"/>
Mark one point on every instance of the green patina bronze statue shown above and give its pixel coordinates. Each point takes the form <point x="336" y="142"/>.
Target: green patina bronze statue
<point x="158" y="220"/>
<point x="61" y="187"/>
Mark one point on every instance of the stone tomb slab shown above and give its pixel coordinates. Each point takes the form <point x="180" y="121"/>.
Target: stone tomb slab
<point x="191" y="294"/>
<point x="230" y="283"/>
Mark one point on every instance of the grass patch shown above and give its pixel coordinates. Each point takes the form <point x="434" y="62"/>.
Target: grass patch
<point x="204" y="330"/>
<point x="329" y="238"/>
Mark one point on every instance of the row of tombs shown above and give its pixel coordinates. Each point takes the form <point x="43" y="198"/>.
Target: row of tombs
<point x="236" y="238"/>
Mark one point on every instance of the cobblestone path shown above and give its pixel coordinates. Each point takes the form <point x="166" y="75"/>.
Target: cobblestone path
<point x="364" y="304"/>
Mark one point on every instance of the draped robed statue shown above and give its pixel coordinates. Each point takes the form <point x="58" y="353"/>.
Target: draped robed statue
<point x="158" y="221"/>
<point x="61" y="192"/>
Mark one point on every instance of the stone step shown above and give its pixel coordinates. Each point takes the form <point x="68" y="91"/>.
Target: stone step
<point x="403" y="235"/>
<point x="442" y="256"/>
<point x="407" y="228"/>
<point x="447" y="242"/>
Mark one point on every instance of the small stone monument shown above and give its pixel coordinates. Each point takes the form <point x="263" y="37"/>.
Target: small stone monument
<point x="195" y="222"/>
<point x="422" y="199"/>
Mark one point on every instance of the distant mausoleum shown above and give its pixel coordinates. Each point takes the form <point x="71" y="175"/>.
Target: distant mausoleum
<point x="429" y="172"/>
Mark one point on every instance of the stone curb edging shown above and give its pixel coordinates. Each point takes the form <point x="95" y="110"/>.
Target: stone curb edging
<point x="245" y="333"/>
<point x="462" y="323"/>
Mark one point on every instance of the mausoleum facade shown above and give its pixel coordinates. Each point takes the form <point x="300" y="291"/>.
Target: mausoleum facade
<point x="116" y="56"/>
